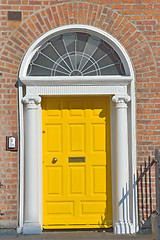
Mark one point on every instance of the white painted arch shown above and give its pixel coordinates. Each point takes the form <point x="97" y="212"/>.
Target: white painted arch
<point x="121" y="87"/>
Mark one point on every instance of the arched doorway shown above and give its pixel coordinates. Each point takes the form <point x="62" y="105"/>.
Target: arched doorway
<point x="102" y="67"/>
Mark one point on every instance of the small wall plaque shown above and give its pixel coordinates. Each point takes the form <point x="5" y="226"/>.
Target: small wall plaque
<point x="14" y="16"/>
<point x="12" y="143"/>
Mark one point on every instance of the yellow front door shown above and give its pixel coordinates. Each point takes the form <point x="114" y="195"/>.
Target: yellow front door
<point x="76" y="162"/>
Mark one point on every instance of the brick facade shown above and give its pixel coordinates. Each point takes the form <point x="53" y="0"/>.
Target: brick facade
<point x="134" y="23"/>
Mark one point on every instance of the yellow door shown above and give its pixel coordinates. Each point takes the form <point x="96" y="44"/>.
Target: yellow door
<point x="76" y="162"/>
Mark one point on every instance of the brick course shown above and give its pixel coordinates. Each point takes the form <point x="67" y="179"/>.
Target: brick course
<point x="134" y="23"/>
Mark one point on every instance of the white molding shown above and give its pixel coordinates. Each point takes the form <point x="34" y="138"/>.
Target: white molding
<point x="110" y="85"/>
<point x="21" y="157"/>
<point x="39" y="134"/>
<point x="78" y="80"/>
<point x="134" y="155"/>
<point x="75" y="90"/>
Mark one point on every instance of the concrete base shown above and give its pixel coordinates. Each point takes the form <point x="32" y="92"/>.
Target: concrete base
<point x="8" y="224"/>
<point x="32" y="228"/>
<point x="123" y="228"/>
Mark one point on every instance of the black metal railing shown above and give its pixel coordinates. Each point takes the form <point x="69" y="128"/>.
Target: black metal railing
<point x="1" y="213"/>
<point x="148" y="184"/>
<point x="157" y="176"/>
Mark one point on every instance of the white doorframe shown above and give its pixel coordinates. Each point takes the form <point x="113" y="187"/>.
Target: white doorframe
<point x="113" y="85"/>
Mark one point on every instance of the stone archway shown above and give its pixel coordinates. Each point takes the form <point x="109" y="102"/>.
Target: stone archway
<point x="89" y="85"/>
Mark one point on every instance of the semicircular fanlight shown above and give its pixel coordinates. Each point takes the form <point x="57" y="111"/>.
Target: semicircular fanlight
<point x="75" y="54"/>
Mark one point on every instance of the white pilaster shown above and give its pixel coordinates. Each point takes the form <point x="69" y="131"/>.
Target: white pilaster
<point x="31" y="206"/>
<point x="123" y="224"/>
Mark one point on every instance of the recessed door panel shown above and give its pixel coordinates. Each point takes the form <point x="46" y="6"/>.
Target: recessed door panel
<point x="54" y="138"/>
<point x="99" y="177"/>
<point x="54" y="180"/>
<point x="77" y="179"/>
<point x="56" y="208"/>
<point x="76" y="108"/>
<point x="77" y="137"/>
<point x="93" y="207"/>
<point x="98" y="137"/>
<point x="76" y="162"/>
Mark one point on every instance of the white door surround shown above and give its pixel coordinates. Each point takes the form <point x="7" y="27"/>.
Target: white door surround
<point x="121" y="90"/>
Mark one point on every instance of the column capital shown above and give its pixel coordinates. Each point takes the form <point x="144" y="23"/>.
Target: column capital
<point x="31" y="101"/>
<point x="121" y="98"/>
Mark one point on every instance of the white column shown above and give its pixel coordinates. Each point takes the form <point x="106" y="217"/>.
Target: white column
<point x="123" y="224"/>
<point x="31" y="205"/>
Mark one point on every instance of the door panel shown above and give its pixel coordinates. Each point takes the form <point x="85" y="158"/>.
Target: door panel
<point x="76" y="138"/>
<point x="77" y="187"/>
<point x="77" y="180"/>
<point x="55" y="177"/>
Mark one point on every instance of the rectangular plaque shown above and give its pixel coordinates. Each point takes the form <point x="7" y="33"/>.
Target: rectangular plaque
<point x="14" y="16"/>
<point x="77" y="159"/>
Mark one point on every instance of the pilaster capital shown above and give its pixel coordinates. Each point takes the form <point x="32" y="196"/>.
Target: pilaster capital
<point x="121" y="101"/>
<point x="31" y="101"/>
<point x="121" y="98"/>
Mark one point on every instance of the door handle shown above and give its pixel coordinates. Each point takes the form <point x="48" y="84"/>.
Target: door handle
<point x="54" y="160"/>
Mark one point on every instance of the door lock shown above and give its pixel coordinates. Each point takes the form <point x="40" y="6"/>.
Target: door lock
<point x="54" y="160"/>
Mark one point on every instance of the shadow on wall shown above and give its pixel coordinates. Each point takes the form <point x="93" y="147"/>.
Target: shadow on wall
<point x="147" y="187"/>
<point x="124" y="205"/>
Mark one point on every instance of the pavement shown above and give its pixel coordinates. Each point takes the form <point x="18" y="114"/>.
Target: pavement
<point x="10" y="234"/>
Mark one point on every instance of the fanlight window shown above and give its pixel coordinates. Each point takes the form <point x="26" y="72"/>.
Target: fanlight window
<point x="75" y="54"/>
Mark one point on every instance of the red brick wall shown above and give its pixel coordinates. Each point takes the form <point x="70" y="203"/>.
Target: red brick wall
<point x="135" y="23"/>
